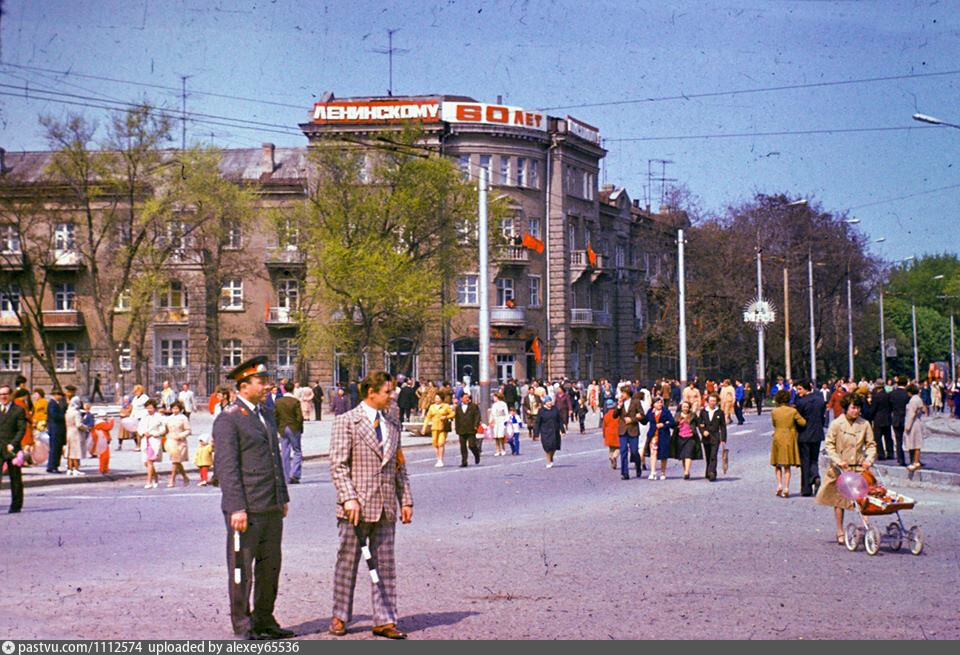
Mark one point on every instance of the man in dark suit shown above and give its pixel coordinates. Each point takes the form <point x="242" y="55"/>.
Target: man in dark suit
<point x="511" y="395"/>
<point x="289" y="417"/>
<point x="254" y="502"/>
<point x="354" y="392"/>
<point x="813" y="409"/>
<point x="406" y="400"/>
<point x="898" y="415"/>
<point x="630" y="415"/>
<point x="13" y="425"/>
<point x="318" y="400"/>
<point x="466" y="420"/>
<point x="882" y="420"/>
<point x="713" y="432"/>
<point x="57" y="429"/>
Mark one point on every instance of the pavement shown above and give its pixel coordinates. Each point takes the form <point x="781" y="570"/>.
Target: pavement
<point x="504" y="550"/>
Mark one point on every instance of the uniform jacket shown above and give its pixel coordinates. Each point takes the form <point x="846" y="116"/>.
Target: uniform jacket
<point x="717" y="428"/>
<point x="881" y="409"/>
<point x="466" y="423"/>
<point x="812" y="409"/>
<point x="898" y="406"/>
<point x="633" y="409"/>
<point x="365" y="470"/>
<point x="407" y="398"/>
<point x="248" y="461"/>
<point x="13" y="425"/>
<point x="56" y="419"/>
<point x="288" y="412"/>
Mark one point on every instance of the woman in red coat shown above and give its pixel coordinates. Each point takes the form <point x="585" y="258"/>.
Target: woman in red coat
<point x="611" y="439"/>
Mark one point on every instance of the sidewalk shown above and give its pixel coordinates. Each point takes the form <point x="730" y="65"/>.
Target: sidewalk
<point x="126" y="463"/>
<point x="940" y="456"/>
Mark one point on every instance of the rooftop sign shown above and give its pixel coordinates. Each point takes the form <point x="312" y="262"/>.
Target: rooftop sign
<point x="376" y="111"/>
<point x="481" y="113"/>
<point x="583" y="130"/>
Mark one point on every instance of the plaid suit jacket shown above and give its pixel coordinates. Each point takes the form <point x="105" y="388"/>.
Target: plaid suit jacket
<point x="362" y="469"/>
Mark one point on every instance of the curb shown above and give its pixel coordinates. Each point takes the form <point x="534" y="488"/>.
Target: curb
<point x="921" y="479"/>
<point x="57" y="480"/>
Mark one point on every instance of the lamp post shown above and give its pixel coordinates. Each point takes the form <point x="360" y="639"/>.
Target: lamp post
<point x="883" y="340"/>
<point x="852" y="221"/>
<point x="484" y="322"/>
<point x="786" y="301"/>
<point x="761" y="364"/>
<point x="813" y="329"/>
<point x="681" y="272"/>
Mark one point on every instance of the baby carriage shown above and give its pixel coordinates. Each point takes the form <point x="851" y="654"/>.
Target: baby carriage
<point x="872" y="498"/>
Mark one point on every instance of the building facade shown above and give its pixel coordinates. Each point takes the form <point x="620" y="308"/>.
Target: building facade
<point x="578" y="307"/>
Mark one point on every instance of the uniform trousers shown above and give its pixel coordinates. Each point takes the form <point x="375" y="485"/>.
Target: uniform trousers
<point x="260" y="569"/>
<point x="291" y="455"/>
<point x="56" y="452"/>
<point x="710" y="457"/>
<point x="884" y="439"/>
<point x="381" y="535"/>
<point x="809" y="466"/>
<point x="898" y="440"/>
<point x="470" y="441"/>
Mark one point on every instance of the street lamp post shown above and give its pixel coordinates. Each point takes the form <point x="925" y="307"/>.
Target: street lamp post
<point x="852" y="221"/>
<point x="916" y="354"/>
<point x="681" y="272"/>
<point x="813" y="330"/>
<point x="484" y="322"/>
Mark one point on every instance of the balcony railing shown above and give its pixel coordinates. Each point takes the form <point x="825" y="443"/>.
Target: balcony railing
<point x="67" y="260"/>
<point x="513" y="255"/>
<point x="172" y="316"/>
<point x="281" y="316"/>
<point x="9" y="321"/>
<point x="508" y="316"/>
<point x="62" y="319"/>
<point x="590" y="318"/>
<point x="11" y="261"/>
<point x="284" y="257"/>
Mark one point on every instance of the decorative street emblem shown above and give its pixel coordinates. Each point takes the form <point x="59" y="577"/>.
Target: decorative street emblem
<point x="759" y="312"/>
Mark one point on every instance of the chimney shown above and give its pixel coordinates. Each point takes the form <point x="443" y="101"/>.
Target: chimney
<point x="268" y="163"/>
<point x="664" y="209"/>
<point x="636" y="203"/>
<point x="499" y="99"/>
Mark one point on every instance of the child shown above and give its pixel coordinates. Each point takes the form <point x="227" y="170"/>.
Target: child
<point x="101" y="442"/>
<point x="514" y="426"/>
<point x="88" y="420"/>
<point x="203" y="458"/>
<point x="582" y="414"/>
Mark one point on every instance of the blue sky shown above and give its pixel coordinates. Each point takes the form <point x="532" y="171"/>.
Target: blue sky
<point x="548" y="54"/>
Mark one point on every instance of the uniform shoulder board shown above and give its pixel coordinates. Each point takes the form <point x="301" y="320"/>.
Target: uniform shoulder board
<point x="232" y="409"/>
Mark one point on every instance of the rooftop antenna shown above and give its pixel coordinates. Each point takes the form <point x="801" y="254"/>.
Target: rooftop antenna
<point x="183" y="111"/>
<point x="662" y="179"/>
<point x="389" y="52"/>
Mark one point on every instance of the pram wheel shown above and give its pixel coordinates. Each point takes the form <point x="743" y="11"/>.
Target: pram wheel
<point x="915" y="538"/>
<point x="895" y="536"/>
<point x="851" y="537"/>
<point x="871" y="540"/>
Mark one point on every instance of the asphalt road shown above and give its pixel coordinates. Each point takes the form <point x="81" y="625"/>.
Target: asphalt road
<point x="507" y="549"/>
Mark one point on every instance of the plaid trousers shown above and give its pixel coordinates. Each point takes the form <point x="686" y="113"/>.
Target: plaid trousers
<point x="382" y="535"/>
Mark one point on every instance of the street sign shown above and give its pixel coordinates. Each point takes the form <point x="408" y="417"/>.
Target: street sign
<point x="890" y="348"/>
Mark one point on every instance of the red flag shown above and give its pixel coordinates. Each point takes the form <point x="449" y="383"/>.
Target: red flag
<point x="591" y="256"/>
<point x="535" y="347"/>
<point x="532" y="243"/>
<point x="266" y="312"/>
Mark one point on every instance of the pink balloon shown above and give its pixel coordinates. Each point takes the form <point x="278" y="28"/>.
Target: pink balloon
<point x="852" y="486"/>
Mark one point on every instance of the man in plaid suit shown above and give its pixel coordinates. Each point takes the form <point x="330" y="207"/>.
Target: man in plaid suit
<point x="367" y="470"/>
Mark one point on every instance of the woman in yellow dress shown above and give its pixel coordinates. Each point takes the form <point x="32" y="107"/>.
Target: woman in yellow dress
<point x="438" y="418"/>
<point x="784" y="451"/>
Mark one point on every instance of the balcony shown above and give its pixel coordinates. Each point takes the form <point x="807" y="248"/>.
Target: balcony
<point x="284" y="257"/>
<point x="590" y="318"/>
<point x="66" y="260"/>
<point x="9" y="321"/>
<point x="11" y="261"/>
<point x="62" y="319"/>
<point x="508" y="316"/>
<point x="172" y="316"/>
<point x="281" y="317"/>
<point x="513" y="256"/>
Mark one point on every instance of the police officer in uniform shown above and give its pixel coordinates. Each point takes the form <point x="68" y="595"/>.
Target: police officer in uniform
<point x="254" y="502"/>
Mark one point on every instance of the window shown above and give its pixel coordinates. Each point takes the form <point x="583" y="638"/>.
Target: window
<point x="231" y="295"/>
<point x="286" y="353"/>
<point x="621" y="256"/>
<point x="288" y="236"/>
<point x="504" y="170"/>
<point x="463" y="163"/>
<point x="485" y="165"/>
<point x="533" y="227"/>
<point x="65" y="297"/>
<point x="467" y="290"/>
<point x="534" y="174"/>
<point x="123" y="351"/>
<point x="9" y="357"/>
<point x="9" y="238"/>
<point x="232" y="237"/>
<point x="638" y="313"/>
<point x="533" y="284"/>
<point x="521" y="171"/>
<point x="506" y="368"/>
<point x="173" y="352"/>
<point x="174" y="296"/>
<point x="572" y="235"/>
<point x="64" y="236"/>
<point x="10" y="300"/>
<point x="504" y="291"/>
<point x="124" y="234"/>
<point x="124" y="300"/>
<point x="506" y="227"/>
<point x="587" y="185"/>
<point x="605" y="302"/>
<point x="177" y="239"/>
<point x="288" y="293"/>
<point x="65" y="358"/>
<point x="232" y="350"/>
<point x="400" y="358"/>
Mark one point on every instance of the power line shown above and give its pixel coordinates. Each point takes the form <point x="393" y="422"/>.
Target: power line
<point x="736" y="135"/>
<point x="768" y="89"/>
<point x="909" y="195"/>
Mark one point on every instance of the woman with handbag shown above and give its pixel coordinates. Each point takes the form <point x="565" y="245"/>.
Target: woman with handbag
<point x="178" y="429"/>
<point x="685" y="440"/>
<point x="74" y="422"/>
<point x="151" y="429"/>
<point x="499" y="414"/>
<point x="438" y="417"/>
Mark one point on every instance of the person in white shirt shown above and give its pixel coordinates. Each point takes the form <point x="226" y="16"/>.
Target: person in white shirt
<point x="151" y="429"/>
<point x="187" y="399"/>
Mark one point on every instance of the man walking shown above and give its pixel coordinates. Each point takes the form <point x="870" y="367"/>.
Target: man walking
<point x="898" y="414"/>
<point x="370" y="477"/>
<point x="406" y="400"/>
<point x="97" y="388"/>
<point x="57" y="429"/>
<point x="187" y="399"/>
<point x="882" y="420"/>
<point x="630" y="415"/>
<point x="813" y="409"/>
<point x="713" y="432"/>
<point x="738" y="405"/>
<point x="254" y="502"/>
<point x="318" y="400"/>
<point x="13" y="425"/>
<point x="466" y="420"/>
<point x="289" y="416"/>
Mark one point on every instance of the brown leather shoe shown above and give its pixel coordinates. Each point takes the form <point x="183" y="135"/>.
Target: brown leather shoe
<point x="337" y="627"/>
<point x="388" y="630"/>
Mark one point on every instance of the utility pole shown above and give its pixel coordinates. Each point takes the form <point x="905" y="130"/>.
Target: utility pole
<point x="683" y="309"/>
<point x="916" y="354"/>
<point x="761" y="364"/>
<point x="183" y="111"/>
<point x="813" y="330"/>
<point x="883" y="341"/>
<point x="786" y="320"/>
<point x="849" y="324"/>
<point x="953" y="352"/>
<point x="484" y="400"/>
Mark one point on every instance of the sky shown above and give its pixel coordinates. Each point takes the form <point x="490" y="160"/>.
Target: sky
<point x="655" y="77"/>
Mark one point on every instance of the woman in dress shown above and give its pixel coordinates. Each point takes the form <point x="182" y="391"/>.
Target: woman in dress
<point x="550" y="428"/>
<point x="138" y="409"/>
<point x="437" y="418"/>
<point x="657" y="446"/>
<point x="685" y="440"/>
<point x="531" y="407"/>
<point x="499" y="414"/>
<point x="305" y="395"/>
<point x="74" y="421"/>
<point x="913" y="427"/>
<point x="178" y="429"/>
<point x="151" y="429"/>
<point x="784" y="451"/>
<point x="849" y="445"/>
